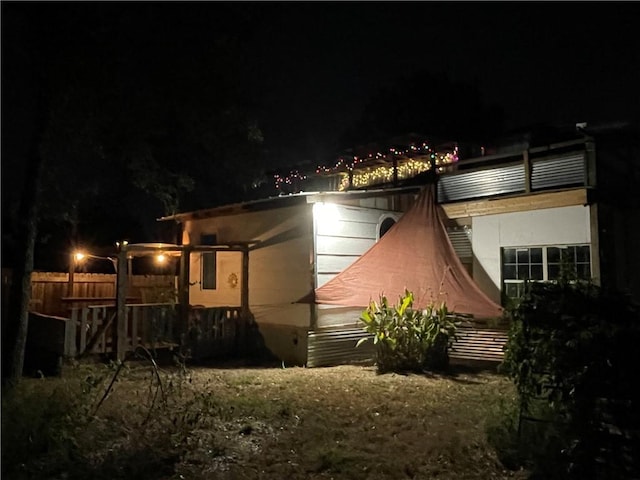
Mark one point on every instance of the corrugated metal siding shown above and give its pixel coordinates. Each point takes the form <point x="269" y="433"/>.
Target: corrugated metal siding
<point x="461" y="241"/>
<point x="556" y="172"/>
<point x="479" y="344"/>
<point x="481" y="183"/>
<point x="338" y="347"/>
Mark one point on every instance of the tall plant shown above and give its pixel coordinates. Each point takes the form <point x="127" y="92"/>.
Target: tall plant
<point x="572" y="354"/>
<point x="407" y="339"/>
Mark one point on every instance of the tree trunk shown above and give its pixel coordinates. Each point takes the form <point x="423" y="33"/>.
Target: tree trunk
<point x="17" y="325"/>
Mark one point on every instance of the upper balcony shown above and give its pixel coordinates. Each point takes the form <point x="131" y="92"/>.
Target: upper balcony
<point x="521" y="170"/>
<point x="563" y="165"/>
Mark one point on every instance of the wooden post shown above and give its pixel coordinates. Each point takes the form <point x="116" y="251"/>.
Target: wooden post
<point x="120" y="330"/>
<point x="72" y="269"/>
<point x="70" y="329"/>
<point x="183" y="289"/>
<point x="244" y="301"/>
<point x="527" y="171"/>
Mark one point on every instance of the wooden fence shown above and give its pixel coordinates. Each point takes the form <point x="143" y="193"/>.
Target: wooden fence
<point x="53" y="294"/>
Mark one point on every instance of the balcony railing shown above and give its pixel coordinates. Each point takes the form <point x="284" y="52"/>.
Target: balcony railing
<point x="561" y="166"/>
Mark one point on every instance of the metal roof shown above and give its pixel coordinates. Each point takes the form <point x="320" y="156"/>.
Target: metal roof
<point x="283" y="201"/>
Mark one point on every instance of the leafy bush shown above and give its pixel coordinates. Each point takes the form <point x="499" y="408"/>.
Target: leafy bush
<point x="572" y="354"/>
<point x="407" y="339"/>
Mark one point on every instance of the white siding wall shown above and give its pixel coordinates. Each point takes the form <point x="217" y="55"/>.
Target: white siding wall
<point x="279" y="267"/>
<point x="225" y="294"/>
<point x="553" y="226"/>
<point x="339" y="242"/>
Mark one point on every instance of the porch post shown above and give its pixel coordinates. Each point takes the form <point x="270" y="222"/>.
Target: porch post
<point x="527" y="171"/>
<point x="183" y="288"/>
<point x="120" y="330"/>
<point x="244" y="301"/>
<point x="72" y="271"/>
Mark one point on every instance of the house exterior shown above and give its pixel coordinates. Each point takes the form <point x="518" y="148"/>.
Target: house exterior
<point x="297" y="242"/>
<point x="538" y="204"/>
<point x="534" y="205"/>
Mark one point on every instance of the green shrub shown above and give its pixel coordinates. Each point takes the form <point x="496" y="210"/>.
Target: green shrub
<point x="573" y="354"/>
<point x="407" y="339"/>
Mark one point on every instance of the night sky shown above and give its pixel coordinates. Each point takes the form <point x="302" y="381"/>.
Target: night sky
<point x="304" y="72"/>
<point x="541" y="62"/>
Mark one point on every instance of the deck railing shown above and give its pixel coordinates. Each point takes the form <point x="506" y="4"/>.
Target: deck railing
<point x="557" y="166"/>
<point x="212" y="332"/>
<point x="209" y="332"/>
<point x="151" y="325"/>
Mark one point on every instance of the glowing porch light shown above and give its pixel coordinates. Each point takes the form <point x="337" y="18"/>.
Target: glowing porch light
<point x="161" y="259"/>
<point x="327" y="216"/>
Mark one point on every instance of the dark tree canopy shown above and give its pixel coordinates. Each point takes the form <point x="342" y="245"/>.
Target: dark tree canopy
<point x="143" y="118"/>
<point x="426" y="103"/>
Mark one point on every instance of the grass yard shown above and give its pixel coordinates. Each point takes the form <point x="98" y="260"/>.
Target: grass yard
<point x="344" y="422"/>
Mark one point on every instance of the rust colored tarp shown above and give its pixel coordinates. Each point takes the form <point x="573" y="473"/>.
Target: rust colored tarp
<point x="415" y="254"/>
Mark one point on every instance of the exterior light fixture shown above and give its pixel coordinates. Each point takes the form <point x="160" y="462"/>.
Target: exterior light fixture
<point x="79" y="257"/>
<point x="327" y="216"/>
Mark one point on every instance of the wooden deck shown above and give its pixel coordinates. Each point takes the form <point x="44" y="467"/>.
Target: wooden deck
<point x="208" y="332"/>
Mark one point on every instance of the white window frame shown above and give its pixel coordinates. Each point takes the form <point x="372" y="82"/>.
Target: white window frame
<point x="545" y="263"/>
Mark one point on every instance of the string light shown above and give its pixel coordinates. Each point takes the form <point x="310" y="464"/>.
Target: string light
<point x="384" y="174"/>
<point x="363" y="174"/>
<point x="289" y="179"/>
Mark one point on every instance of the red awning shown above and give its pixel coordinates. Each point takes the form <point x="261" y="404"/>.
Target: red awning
<point x="415" y="254"/>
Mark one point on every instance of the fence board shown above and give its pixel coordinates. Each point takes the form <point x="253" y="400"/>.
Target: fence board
<point x="50" y="289"/>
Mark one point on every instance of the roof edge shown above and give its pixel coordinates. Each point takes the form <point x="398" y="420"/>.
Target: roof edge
<point x="281" y="201"/>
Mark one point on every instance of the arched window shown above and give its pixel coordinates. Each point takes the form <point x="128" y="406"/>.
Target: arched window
<point x="385" y="225"/>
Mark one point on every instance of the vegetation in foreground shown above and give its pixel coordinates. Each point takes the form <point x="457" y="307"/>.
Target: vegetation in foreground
<point x="336" y="422"/>
<point x="565" y="409"/>
<point x="573" y="356"/>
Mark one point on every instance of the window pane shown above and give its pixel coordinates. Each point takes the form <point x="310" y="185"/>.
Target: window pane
<point x="584" y="271"/>
<point x="523" y="272"/>
<point x="553" y="255"/>
<point x="523" y="255"/>
<point x="536" y="272"/>
<point x="536" y="255"/>
<point x="583" y="254"/>
<point x="509" y="272"/>
<point x="509" y="255"/>
<point x="568" y="255"/>
<point x="553" y="272"/>
<point x="208" y="239"/>
<point x="209" y="271"/>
